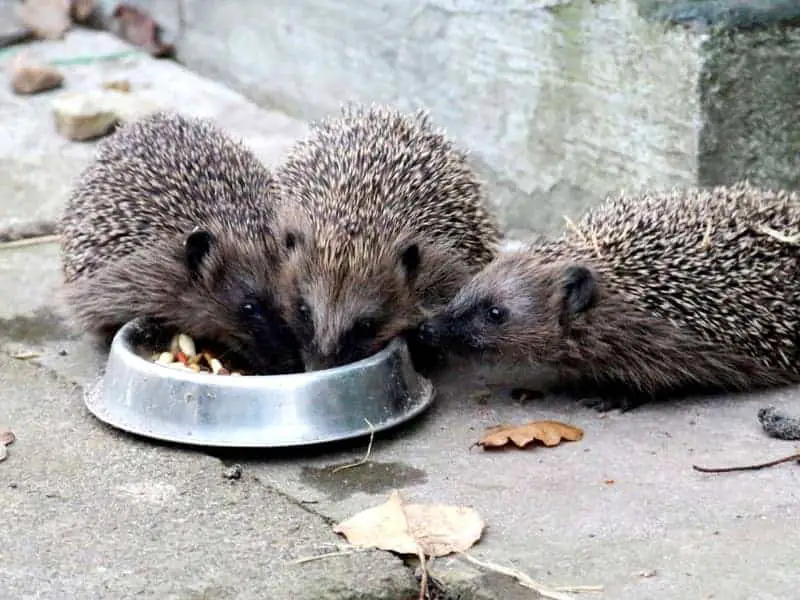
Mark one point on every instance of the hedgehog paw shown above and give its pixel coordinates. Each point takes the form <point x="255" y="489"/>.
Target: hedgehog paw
<point x="607" y="403"/>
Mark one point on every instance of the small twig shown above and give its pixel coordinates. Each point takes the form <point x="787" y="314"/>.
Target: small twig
<point x="31" y="241"/>
<point x="571" y="225"/>
<point x="17" y="37"/>
<point x="525" y="581"/>
<point x="423" y="583"/>
<point x="341" y="550"/>
<point x="577" y="589"/>
<point x="309" y="559"/>
<point x="366" y="456"/>
<point x="772" y="463"/>
<point x="706" y="242"/>
<point x="777" y="235"/>
<point x="593" y="242"/>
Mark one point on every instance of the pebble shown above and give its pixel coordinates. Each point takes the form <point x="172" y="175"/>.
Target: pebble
<point x="89" y="115"/>
<point x="81" y="117"/>
<point x="30" y="78"/>
<point x="234" y="472"/>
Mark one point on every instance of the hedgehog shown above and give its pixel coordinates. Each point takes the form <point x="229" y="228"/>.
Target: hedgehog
<point x="172" y="222"/>
<point x="647" y="297"/>
<point x="383" y="220"/>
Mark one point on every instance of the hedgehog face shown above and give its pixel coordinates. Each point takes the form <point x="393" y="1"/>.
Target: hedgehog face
<point x="515" y="308"/>
<point x="230" y="300"/>
<point x="341" y="309"/>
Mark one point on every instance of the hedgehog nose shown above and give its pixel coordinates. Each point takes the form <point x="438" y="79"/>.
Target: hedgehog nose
<point x="426" y="333"/>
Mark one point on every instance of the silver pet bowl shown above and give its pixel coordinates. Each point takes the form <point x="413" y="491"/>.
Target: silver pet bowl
<point x="139" y="396"/>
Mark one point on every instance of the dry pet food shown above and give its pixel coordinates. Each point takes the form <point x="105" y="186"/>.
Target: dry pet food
<point x="183" y="355"/>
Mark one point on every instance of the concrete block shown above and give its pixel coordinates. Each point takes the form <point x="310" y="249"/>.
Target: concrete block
<point x="561" y="101"/>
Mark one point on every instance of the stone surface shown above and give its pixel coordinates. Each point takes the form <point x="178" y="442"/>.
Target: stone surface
<point x="89" y="59"/>
<point x="94" y="513"/>
<point x="87" y="512"/>
<point x="750" y="89"/>
<point x="560" y="101"/>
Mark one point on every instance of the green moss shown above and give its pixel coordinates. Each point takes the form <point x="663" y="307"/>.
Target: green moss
<point x="725" y="14"/>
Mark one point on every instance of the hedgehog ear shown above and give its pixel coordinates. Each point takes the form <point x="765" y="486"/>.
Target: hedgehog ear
<point x="196" y="247"/>
<point x="410" y="260"/>
<point x="580" y="289"/>
<point x="292" y="239"/>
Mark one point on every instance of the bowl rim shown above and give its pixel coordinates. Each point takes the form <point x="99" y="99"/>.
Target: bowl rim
<point x="130" y="363"/>
<point x="123" y="340"/>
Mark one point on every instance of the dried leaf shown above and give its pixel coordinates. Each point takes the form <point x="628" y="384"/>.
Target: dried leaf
<point x="48" y="19"/>
<point x="7" y="438"/>
<point x="431" y="529"/>
<point x="550" y="433"/>
<point x="137" y="27"/>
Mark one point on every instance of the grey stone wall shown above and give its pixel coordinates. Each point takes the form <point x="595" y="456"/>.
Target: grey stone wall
<point x="560" y="101"/>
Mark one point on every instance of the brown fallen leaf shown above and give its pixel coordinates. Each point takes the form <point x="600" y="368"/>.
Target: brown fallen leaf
<point x="137" y="27"/>
<point x="550" y="433"/>
<point x="48" y="19"/>
<point x="429" y="529"/>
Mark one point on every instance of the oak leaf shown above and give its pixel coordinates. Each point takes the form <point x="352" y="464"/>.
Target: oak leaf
<point x="420" y="529"/>
<point x="549" y="433"/>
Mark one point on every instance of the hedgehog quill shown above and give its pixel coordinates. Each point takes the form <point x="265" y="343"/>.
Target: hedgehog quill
<point x="645" y="298"/>
<point x="386" y="221"/>
<point x="173" y="221"/>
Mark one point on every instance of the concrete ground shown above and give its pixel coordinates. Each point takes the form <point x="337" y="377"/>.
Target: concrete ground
<point x="89" y="512"/>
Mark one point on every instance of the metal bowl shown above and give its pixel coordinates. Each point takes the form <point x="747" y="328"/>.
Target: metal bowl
<point x="139" y="396"/>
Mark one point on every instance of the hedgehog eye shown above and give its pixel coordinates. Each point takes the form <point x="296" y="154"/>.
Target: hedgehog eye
<point x="304" y="310"/>
<point x="251" y="309"/>
<point x="365" y="327"/>
<point x="496" y="315"/>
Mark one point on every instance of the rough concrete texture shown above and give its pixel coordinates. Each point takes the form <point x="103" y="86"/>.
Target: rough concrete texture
<point x="561" y="101"/>
<point x="751" y="97"/>
<point x="88" y="512"/>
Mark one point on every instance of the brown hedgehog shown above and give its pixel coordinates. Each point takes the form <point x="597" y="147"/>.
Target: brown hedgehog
<point x="173" y="221"/>
<point x="646" y="297"/>
<point x="386" y="220"/>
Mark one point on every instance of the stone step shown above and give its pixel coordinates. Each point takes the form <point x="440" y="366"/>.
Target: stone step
<point x="561" y="101"/>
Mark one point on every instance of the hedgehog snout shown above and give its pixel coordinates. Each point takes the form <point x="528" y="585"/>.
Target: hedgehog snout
<point x="428" y="332"/>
